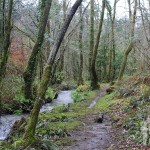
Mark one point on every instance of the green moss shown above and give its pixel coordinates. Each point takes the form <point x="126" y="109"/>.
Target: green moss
<point x="64" y="141"/>
<point x="50" y="93"/>
<point x="23" y="143"/>
<point x="62" y="119"/>
<point x="145" y="91"/>
<point x="57" y="123"/>
<point x="104" y="103"/>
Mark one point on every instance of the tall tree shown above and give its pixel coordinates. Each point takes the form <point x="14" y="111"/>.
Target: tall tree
<point x="29" y="135"/>
<point x="2" y="24"/>
<point x="94" y="78"/>
<point x="91" y="34"/>
<point x="60" y="64"/>
<point x="143" y="22"/>
<point x="63" y="43"/>
<point x="31" y="66"/>
<point x="6" y="43"/>
<point x="111" y="65"/>
<point x="80" y="78"/>
<point x="132" y="17"/>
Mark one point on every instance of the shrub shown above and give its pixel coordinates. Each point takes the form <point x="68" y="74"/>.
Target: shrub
<point x="80" y="93"/>
<point x="82" y="88"/>
<point x="18" y="112"/>
<point x="145" y="91"/>
<point x="50" y="93"/>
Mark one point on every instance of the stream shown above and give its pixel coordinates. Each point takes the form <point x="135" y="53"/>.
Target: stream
<point x="7" y="121"/>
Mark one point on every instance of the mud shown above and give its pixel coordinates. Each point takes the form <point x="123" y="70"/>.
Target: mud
<point x="92" y="136"/>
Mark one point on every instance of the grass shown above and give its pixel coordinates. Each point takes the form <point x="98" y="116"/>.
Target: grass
<point x="103" y="104"/>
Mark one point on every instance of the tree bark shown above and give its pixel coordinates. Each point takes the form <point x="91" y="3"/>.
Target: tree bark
<point x="94" y="78"/>
<point x="80" y="78"/>
<point x="31" y="66"/>
<point x="128" y="50"/>
<point x="130" y="46"/>
<point x="91" y="35"/>
<point x="144" y="26"/>
<point x="111" y="65"/>
<point x="63" y="43"/>
<point x="7" y="33"/>
<point x="29" y="134"/>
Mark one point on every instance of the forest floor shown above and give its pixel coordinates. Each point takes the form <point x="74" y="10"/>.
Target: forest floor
<point x="75" y="126"/>
<point x="124" y="112"/>
<point x="93" y="135"/>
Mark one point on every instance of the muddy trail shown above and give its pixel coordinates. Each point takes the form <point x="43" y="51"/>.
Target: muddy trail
<point x="93" y="135"/>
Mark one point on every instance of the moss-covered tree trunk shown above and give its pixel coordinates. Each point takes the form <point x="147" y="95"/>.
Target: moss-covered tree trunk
<point x="63" y="43"/>
<point x="91" y="35"/>
<point x="5" y="40"/>
<point x="6" y="44"/>
<point x="59" y="65"/>
<point x="94" y="78"/>
<point x="80" y="78"/>
<point x="130" y="46"/>
<point x="2" y="25"/>
<point x="29" y="135"/>
<point x="128" y="50"/>
<point x="111" y="64"/>
<point x="31" y="66"/>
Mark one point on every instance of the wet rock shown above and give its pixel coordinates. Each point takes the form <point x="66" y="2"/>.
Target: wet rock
<point x="100" y="118"/>
<point x="56" y="95"/>
<point x="48" y="100"/>
<point x="110" y="90"/>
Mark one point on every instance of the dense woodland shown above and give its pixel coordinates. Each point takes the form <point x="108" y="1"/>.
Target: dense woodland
<point x="47" y="46"/>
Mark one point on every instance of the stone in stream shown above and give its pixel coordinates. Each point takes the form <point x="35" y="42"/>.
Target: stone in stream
<point x="56" y="95"/>
<point x="48" y="100"/>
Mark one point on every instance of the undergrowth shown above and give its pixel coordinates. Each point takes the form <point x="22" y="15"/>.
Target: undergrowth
<point x="57" y="124"/>
<point x="13" y="100"/>
<point x="129" y="107"/>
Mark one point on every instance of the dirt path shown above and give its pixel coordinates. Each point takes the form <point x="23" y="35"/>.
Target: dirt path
<point x="93" y="136"/>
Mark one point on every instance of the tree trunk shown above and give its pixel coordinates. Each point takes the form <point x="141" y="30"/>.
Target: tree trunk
<point x="94" y="78"/>
<point x="29" y="134"/>
<point x="91" y="35"/>
<point x="144" y="26"/>
<point x="2" y="25"/>
<point x="60" y="64"/>
<point x="63" y="43"/>
<point x="111" y="65"/>
<point x="128" y="50"/>
<point x="7" y="33"/>
<point x="31" y="66"/>
<point x="80" y="78"/>
<point x="130" y="46"/>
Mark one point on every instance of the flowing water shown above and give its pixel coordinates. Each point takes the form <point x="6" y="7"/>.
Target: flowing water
<point x="7" y="121"/>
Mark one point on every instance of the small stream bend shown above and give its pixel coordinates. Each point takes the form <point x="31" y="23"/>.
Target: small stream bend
<point x="7" y="121"/>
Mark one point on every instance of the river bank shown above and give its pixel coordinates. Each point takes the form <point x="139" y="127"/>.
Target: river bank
<point x="7" y="120"/>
